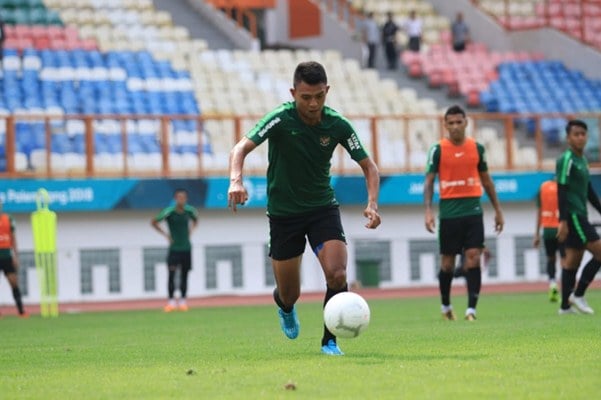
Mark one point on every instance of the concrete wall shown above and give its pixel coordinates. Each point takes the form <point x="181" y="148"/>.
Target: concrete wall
<point x="552" y="43"/>
<point x="229" y="253"/>
<point x="239" y="36"/>
<point x="334" y="35"/>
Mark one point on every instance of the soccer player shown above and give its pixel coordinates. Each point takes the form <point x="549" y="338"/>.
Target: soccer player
<point x="181" y="220"/>
<point x="9" y="257"/>
<point x="303" y="135"/>
<point x="575" y="231"/>
<point x="547" y="218"/>
<point x="461" y="166"/>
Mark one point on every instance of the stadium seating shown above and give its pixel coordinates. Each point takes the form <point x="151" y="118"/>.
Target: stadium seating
<point x="72" y="83"/>
<point x="542" y="87"/>
<point x="466" y="73"/>
<point x="577" y="18"/>
<point x="122" y="57"/>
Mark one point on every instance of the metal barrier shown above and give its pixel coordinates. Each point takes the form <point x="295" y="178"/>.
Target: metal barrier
<point x="142" y="145"/>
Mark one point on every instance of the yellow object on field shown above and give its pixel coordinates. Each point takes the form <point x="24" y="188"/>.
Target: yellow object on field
<point x="43" y="224"/>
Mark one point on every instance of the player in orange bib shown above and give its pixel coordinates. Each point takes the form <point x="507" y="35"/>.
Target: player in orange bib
<point x="547" y="218"/>
<point x="461" y="166"/>
<point x="9" y="258"/>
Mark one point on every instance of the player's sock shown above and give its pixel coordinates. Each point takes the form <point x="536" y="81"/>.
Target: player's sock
<point x="568" y="279"/>
<point x="18" y="301"/>
<point x="444" y="284"/>
<point x="474" y="283"/>
<point x="587" y="276"/>
<point x="327" y="335"/>
<point x="278" y="301"/>
<point x="171" y="284"/>
<point x="183" y="283"/>
<point x="551" y="270"/>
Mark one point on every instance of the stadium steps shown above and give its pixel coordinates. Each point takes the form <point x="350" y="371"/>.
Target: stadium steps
<point x="199" y="27"/>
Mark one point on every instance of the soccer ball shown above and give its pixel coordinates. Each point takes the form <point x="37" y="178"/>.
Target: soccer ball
<point x="346" y="315"/>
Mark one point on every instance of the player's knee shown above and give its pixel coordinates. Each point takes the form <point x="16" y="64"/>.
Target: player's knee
<point x="472" y="258"/>
<point x="337" y="278"/>
<point x="447" y="268"/>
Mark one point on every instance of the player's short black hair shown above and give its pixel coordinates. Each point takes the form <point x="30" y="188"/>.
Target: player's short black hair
<point x="310" y="72"/>
<point x="576" y="122"/>
<point x="179" y="190"/>
<point x="454" y="110"/>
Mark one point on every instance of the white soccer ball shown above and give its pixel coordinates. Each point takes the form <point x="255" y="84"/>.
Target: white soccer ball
<point x="346" y="315"/>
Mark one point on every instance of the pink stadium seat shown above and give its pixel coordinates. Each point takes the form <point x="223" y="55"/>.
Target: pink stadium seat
<point x="415" y="69"/>
<point x="54" y="31"/>
<point x="41" y="43"/>
<point x="88" y="44"/>
<point x="473" y="97"/>
<point x="11" y="43"/>
<point x="58" y="44"/>
<point x="38" y="31"/>
<point x="71" y="33"/>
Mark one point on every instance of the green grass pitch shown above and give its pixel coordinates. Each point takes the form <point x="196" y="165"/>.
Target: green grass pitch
<point x="518" y="349"/>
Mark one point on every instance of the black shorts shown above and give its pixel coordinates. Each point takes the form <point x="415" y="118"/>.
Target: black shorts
<point x="182" y="259"/>
<point x="580" y="232"/>
<point x="287" y="234"/>
<point x="6" y="265"/>
<point x="458" y="234"/>
<point x="552" y="246"/>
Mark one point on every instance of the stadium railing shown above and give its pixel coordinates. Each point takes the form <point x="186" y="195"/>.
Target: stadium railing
<point x="397" y="143"/>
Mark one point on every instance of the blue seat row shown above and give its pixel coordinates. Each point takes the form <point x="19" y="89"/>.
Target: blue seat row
<point x="542" y="87"/>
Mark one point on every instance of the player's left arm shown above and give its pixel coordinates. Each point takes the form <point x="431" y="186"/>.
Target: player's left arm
<point x="489" y="188"/>
<point x="15" y="249"/>
<point x="372" y="180"/>
<point x="593" y="198"/>
<point x="193" y="219"/>
<point x="354" y="147"/>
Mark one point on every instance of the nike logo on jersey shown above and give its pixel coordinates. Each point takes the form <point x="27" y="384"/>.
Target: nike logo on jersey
<point x="459" y="154"/>
<point x="294" y="133"/>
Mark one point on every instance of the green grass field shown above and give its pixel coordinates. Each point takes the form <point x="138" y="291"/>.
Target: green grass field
<point x="519" y="348"/>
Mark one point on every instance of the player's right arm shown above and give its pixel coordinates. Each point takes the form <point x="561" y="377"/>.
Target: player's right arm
<point x="431" y="171"/>
<point x="15" y="249"/>
<point x="562" y="171"/>
<point x="155" y="223"/>
<point x="237" y="193"/>
<point x="536" y="240"/>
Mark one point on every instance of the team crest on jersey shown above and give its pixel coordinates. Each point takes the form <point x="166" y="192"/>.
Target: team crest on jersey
<point x="324" y="141"/>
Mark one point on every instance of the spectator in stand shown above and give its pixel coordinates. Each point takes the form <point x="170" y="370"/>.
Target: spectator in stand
<point x="413" y="27"/>
<point x="370" y="34"/>
<point x="389" y="31"/>
<point x="460" y="33"/>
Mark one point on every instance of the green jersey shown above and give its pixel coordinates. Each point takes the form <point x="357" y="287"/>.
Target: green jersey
<point x="298" y="175"/>
<point x="179" y="225"/>
<point x="459" y="207"/>
<point x="7" y="253"/>
<point x="572" y="171"/>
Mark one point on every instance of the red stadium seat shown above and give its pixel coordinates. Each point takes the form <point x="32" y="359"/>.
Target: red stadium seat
<point x="473" y="97"/>
<point x="415" y="69"/>
<point x="41" y="43"/>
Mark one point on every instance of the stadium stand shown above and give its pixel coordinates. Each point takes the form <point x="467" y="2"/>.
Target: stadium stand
<point x="123" y="58"/>
<point x="580" y="19"/>
<point x="542" y="87"/>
